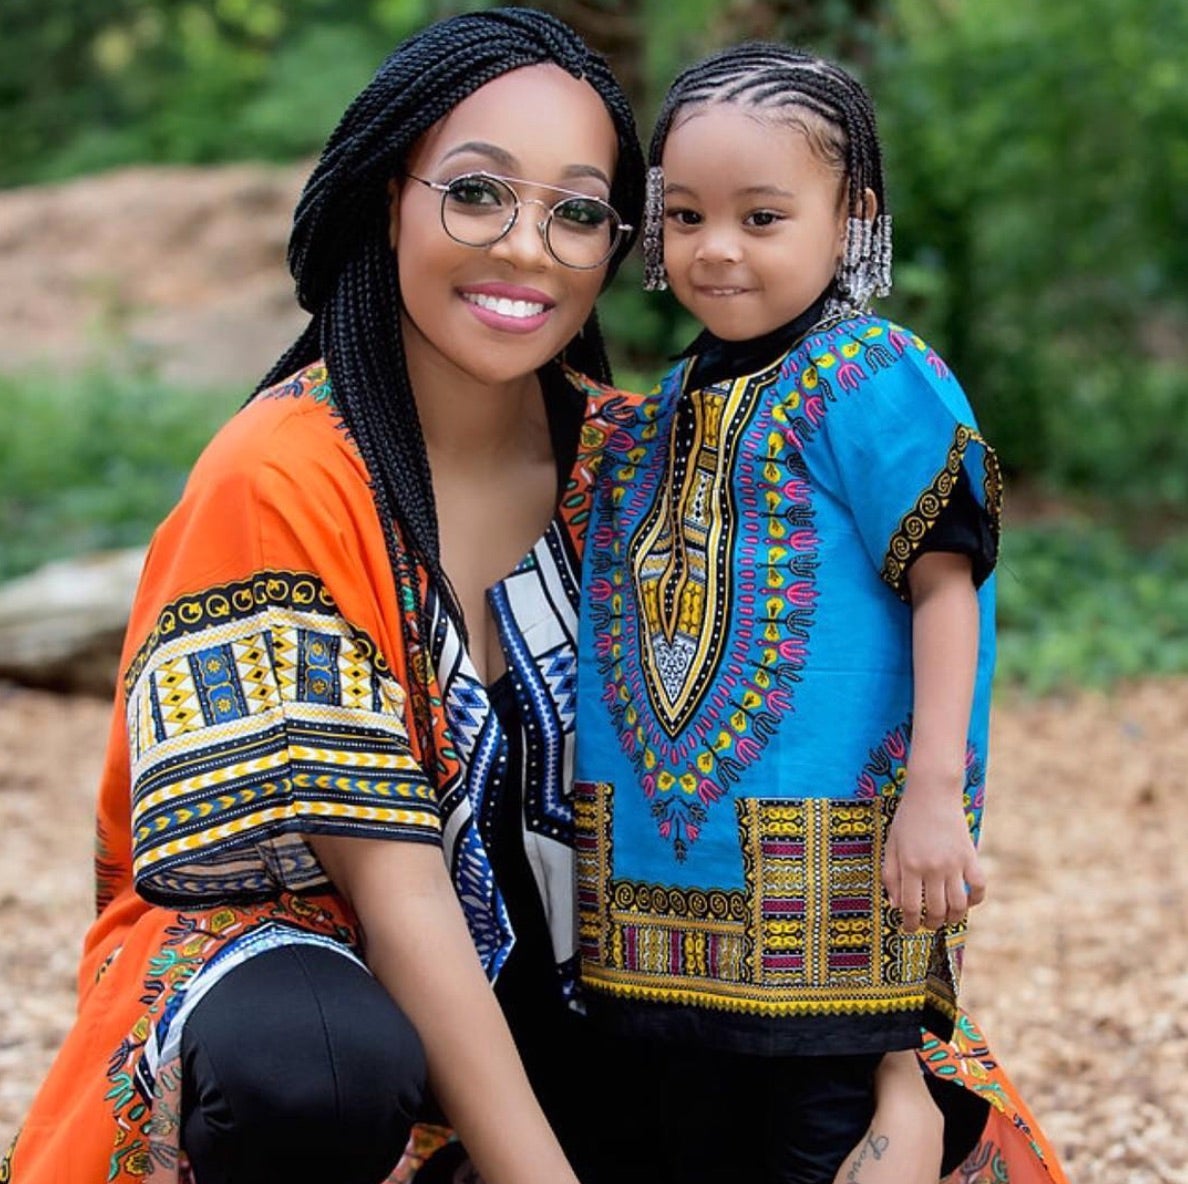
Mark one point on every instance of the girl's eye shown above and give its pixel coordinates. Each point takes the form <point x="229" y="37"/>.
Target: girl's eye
<point x="761" y="218"/>
<point x="682" y="217"/>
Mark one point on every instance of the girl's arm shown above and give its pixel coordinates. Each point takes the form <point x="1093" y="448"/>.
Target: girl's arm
<point x="930" y="857"/>
<point x="418" y="946"/>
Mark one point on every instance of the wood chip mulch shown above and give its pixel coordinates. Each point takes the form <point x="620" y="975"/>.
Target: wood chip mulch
<point x="1077" y="964"/>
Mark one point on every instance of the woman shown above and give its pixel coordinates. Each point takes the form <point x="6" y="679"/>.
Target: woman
<point x="305" y="683"/>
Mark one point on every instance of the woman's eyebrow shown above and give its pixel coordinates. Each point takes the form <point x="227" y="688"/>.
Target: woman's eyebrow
<point x="587" y="170"/>
<point x="509" y="164"/>
<point x="500" y="156"/>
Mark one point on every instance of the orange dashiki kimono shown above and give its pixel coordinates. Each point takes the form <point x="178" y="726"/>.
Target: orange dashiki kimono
<point x="275" y="684"/>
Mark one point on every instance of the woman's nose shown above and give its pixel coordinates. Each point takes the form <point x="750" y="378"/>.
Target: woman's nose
<point x="524" y="243"/>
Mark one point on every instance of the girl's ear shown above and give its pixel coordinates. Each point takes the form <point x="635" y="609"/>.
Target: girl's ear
<point x="393" y="212"/>
<point x="867" y="211"/>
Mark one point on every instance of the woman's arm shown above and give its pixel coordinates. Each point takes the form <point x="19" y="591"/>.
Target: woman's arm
<point x="930" y="856"/>
<point x="418" y="946"/>
<point x="905" y="1142"/>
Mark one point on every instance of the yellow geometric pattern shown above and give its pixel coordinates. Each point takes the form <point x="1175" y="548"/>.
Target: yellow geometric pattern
<point x="247" y="731"/>
<point x="811" y="934"/>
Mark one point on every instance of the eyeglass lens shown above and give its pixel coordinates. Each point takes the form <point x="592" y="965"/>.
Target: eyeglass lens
<point x="478" y="210"/>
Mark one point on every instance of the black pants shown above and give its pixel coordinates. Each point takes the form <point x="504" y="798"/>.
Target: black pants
<point x="758" y="1120"/>
<point x="299" y="1067"/>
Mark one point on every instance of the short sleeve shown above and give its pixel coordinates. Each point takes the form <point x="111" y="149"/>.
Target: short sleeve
<point x="905" y="444"/>
<point x="257" y="712"/>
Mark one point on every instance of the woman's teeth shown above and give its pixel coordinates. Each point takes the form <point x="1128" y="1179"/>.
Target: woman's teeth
<point x="504" y="307"/>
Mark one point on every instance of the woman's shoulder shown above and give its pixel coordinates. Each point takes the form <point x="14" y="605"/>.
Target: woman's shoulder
<point x="289" y="432"/>
<point x="601" y="398"/>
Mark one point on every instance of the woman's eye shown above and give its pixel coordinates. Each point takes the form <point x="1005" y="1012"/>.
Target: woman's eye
<point x="477" y="191"/>
<point x="682" y="217"/>
<point x="763" y="218"/>
<point x="582" y="213"/>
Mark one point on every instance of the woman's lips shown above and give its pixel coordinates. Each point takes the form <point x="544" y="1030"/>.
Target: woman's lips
<point x="507" y="307"/>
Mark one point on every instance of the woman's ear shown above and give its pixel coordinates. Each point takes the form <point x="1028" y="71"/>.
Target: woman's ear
<point x="393" y="212"/>
<point x="870" y="206"/>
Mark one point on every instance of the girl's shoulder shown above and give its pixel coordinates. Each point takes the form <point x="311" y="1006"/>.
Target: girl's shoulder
<point x="855" y="350"/>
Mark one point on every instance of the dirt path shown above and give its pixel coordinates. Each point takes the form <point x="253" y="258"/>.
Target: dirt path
<point x="1077" y="964"/>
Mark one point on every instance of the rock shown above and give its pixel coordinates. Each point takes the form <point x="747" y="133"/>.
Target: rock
<point x="174" y="269"/>
<point x="62" y="626"/>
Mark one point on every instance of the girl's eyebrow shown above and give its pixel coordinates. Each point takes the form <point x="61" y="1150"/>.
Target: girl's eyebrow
<point x="766" y="191"/>
<point x="509" y="164"/>
<point x="749" y="191"/>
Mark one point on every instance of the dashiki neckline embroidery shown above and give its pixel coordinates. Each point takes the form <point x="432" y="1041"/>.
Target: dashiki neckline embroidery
<point x="700" y="680"/>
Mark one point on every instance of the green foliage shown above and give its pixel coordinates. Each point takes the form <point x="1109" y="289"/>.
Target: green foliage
<point x="1080" y="606"/>
<point x="87" y="86"/>
<point x="1038" y="157"/>
<point x="94" y="461"/>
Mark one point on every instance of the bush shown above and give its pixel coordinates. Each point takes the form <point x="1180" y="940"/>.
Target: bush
<point x="1079" y="605"/>
<point x="94" y="461"/>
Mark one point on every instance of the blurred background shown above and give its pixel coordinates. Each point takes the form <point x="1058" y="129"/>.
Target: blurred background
<point x="1038" y="162"/>
<point x="150" y="155"/>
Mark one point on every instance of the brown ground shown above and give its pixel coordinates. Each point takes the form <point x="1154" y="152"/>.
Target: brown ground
<point x="1076" y="966"/>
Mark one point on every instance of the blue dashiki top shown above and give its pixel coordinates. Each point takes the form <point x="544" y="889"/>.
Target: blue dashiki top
<point x="745" y="696"/>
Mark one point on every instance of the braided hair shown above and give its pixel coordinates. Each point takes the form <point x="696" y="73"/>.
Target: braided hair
<point x="836" y="115"/>
<point x="341" y="259"/>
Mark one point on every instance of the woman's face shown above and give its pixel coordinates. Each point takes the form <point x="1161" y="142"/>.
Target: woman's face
<point x="499" y="312"/>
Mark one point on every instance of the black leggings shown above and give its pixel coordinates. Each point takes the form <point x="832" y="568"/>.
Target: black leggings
<point x="298" y="1066"/>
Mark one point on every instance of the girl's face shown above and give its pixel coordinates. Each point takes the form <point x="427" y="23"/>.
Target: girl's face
<point x="754" y="222"/>
<point x="497" y="313"/>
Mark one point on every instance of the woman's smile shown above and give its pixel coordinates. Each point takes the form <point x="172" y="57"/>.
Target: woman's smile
<point x="509" y="308"/>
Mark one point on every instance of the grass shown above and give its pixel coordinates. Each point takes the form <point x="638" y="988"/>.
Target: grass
<point x="95" y="461"/>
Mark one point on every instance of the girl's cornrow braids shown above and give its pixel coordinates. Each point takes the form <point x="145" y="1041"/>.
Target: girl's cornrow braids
<point x="345" y="273"/>
<point x="766" y="75"/>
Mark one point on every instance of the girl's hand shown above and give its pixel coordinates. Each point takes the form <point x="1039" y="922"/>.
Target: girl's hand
<point x="931" y="869"/>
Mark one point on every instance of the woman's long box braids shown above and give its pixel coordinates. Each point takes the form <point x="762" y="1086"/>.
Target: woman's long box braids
<point x="347" y="277"/>
<point x="837" y="115"/>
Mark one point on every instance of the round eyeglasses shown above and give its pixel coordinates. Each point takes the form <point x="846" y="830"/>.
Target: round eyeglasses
<point x="478" y="209"/>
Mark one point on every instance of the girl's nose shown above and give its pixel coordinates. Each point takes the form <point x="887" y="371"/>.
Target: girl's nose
<point x="719" y="246"/>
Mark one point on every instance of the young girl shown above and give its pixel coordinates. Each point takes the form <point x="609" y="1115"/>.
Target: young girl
<point x="786" y="649"/>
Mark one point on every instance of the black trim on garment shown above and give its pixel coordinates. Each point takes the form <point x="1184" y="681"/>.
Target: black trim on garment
<point x="715" y="358"/>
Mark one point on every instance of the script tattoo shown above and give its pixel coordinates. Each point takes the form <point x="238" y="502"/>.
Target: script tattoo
<point x="872" y="1148"/>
